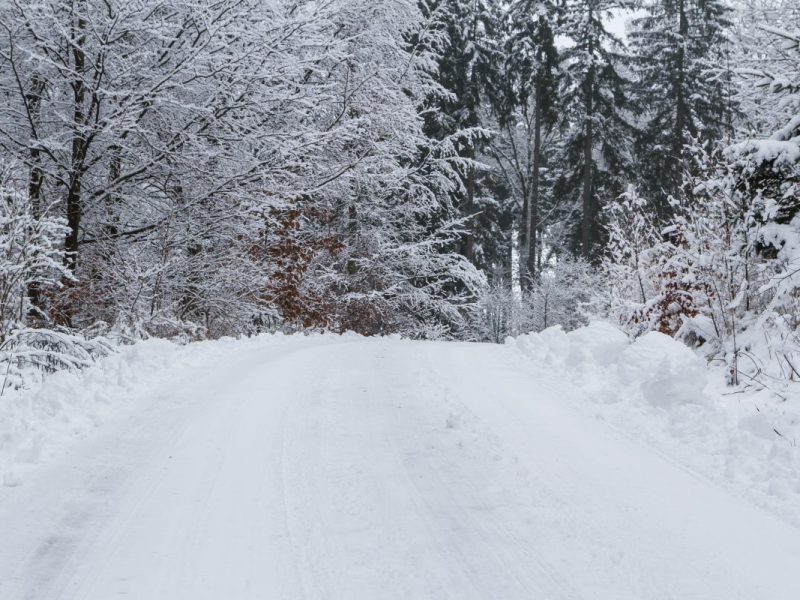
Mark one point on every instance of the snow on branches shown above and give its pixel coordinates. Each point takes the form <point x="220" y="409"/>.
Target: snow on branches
<point x="191" y="147"/>
<point x="30" y="257"/>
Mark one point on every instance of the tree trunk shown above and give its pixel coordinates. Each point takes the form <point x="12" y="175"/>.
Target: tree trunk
<point x="78" y="154"/>
<point x="33" y="100"/>
<point x="589" y="225"/>
<point x="533" y="216"/>
<point x="77" y="168"/>
<point x="468" y="241"/>
<point x="352" y="231"/>
<point x="524" y="237"/>
<point x="112" y="198"/>
<point x="674" y="173"/>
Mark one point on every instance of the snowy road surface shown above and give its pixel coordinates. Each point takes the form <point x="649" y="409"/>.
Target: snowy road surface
<point x="361" y="469"/>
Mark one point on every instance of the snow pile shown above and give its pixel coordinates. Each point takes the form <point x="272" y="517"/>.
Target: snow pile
<point x="666" y="372"/>
<point x="37" y="424"/>
<point x="69" y="404"/>
<point x="655" y="368"/>
<point x="660" y="392"/>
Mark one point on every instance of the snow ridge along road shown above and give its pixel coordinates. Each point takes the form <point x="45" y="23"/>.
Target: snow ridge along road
<point x="370" y="469"/>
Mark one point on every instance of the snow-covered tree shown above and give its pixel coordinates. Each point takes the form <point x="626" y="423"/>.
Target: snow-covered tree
<point x="634" y="265"/>
<point x="30" y="254"/>
<point x="217" y="164"/>
<point x="596" y="146"/>
<point x="683" y="86"/>
<point x="526" y="97"/>
<point x="467" y="62"/>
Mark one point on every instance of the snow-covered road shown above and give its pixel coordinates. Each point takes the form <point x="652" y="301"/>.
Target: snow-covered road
<point x="360" y="469"/>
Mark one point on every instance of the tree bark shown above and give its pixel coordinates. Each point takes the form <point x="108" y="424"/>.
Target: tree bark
<point x="78" y="153"/>
<point x="533" y="217"/>
<point x="589" y="237"/>
<point x="524" y="237"/>
<point x="681" y="108"/>
<point x="468" y="241"/>
<point x="33" y="99"/>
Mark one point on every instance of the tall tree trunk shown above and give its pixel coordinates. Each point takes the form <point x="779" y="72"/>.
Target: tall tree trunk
<point x="524" y="237"/>
<point x="589" y="222"/>
<point x="589" y="225"/>
<point x="533" y="216"/>
<point x="33" y="100"/>
<point x="74" y="208"/>
<point x="78" y="154"/>
<point x="352" y="231"/>
<point x="468" y="241"/>
<point x="112" y="198"/>
<point x="674" y="173"/>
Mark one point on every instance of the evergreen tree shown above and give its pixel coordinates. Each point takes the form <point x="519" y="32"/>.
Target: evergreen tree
<point x="468" y="55"/>
<point x="596" y="147"/>
<point x="683" y="81"/>
<point x="526" y="109"/>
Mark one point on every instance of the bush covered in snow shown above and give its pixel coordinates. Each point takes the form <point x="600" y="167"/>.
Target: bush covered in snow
<point x="564" y="294"/>
<point x="30" y="256"/>
<point x="722" y="273"/>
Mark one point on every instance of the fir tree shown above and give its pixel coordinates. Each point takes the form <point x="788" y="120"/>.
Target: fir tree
<point x="467" y="58"/>
<point x="596" y="122"/>
<point x="527" y="99"/>
<point x="683" y="81"/>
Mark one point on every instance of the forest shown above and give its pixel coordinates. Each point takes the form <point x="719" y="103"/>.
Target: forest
<point x="438" y="169"/>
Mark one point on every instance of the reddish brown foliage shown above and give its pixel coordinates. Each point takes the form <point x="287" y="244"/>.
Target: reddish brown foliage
<point x="292" y="255"/>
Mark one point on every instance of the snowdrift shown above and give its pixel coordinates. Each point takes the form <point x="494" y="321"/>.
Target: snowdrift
<point x="659" y="391"/>
<point x="38" y="423"/>
<point x="664" y="372"/>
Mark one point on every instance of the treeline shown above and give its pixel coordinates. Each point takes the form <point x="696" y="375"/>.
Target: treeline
<point x="651" y="178"/>
<point x="578" y="113"/>
<point x="207" y="168"/>
<point x="442" y="168"/>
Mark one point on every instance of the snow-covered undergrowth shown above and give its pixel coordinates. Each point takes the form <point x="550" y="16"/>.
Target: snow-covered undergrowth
<point x="657" y="390"/>
<point x="39" y="422"/>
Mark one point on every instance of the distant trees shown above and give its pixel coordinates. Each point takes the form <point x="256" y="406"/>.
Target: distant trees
<point x="525" y="97"/>
<point x="595" y="147"/>
<point x="448" y="168"/>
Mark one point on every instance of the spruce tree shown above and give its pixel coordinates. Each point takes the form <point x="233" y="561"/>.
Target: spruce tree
<point x="467" y="57"/>
<point x="527" y="96"/>
<point x="596" y="147"/>
<point x="683" y="83"/>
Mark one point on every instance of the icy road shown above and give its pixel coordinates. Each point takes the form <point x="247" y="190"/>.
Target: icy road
<point x="358" y="469"/>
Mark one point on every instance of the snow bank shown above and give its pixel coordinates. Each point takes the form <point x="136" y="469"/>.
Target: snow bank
<point x="660" y="392"/>
<point x="38" y="423"/>
<point x="656" y="368"/>
<point x="68" y="404"/>
<point x="666" y="372"/>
